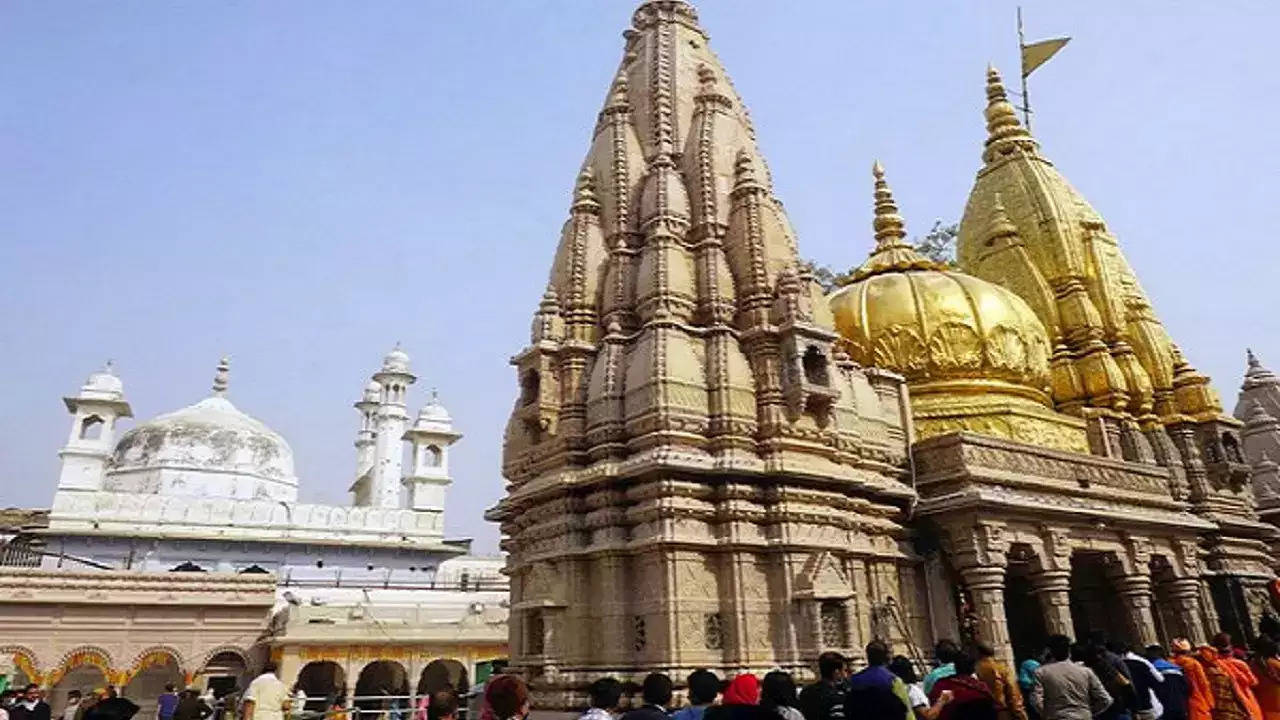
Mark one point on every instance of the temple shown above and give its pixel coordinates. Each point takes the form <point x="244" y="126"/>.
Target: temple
<point x="712" y="464"/>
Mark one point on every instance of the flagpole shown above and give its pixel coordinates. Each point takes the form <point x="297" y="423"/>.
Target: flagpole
<point x="1022" y="62"/>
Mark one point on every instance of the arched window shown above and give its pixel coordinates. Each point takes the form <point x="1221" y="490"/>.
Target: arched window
<point x="91" y="428"/>
<point x="433" y="456"/>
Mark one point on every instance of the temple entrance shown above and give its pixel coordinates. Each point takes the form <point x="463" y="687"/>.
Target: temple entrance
<point x="225" y="673"/>
<point x="443" y="673"/>
<point x="382" y="685"/>
<point x="324" y="682"/>
<point x="83" y="678"/>
<point x="145" y="687"/>
<point x="1025" y="618"/>
<point x="1095" y="609"/>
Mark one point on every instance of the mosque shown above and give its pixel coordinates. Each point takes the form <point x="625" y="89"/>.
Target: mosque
<point x="177" y="551"/>
<point x="711" y="463"/>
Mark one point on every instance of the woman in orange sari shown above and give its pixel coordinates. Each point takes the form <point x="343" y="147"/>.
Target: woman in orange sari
<point x="1266" y="666"/>
<point x="1200" y="701"/>
<point x="1228" y="697"/>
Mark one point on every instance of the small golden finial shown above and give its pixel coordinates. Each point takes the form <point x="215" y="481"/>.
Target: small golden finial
<point x="1004" y="131"/>
<point x="222" y="377"/>
<point x="888" y="224"/>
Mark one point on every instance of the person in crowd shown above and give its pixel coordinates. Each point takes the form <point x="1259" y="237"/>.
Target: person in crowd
<point x="971" y="699"/>
<point x="876" y="692"/>
<point x="1229" y="701"/>
<point x="298" y="707"/>
<point x="1113" y="673"/>
<point x="191" y="706"/>
<point x="1246" y="681"/>
<point x="1065" y="690"/>
<point x="1174" y="692"/>
<point x="267" y="697"/>
<point x="1000" y="680"/>
<point x="87" y="703"/>
<point x="507" y="697"/>
<point x="111" y="706"/>
<point x="444" y="704"/>
<point x="338" y="708"/>
<point x="901" y="666"/>
<point x="1146" y="681"/>
<point x="704" y="687"/>
<point x="73" y="705"/>
<point x="824" y="699"/>
<point x="1027" y="683"/>
<point x="1266" y="667"/>
<point x="741" y="701"/>
<point x="30" y="705"/>
<point x="1200" y="701"/>
<point x="778" y="695"/>
<point x="656" y="692"/>
<point x="945" y="651"/>
<point x="6" y="703"/>
<point x="605" y="694"/>
<point x="166" y="703"/>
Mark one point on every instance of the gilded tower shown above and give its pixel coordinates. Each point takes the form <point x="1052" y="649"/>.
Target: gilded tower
<point x="697" y="475"/>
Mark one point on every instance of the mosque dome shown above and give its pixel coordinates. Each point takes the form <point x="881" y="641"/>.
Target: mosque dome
<point x="209" y="449"/>
<point x="974" y="354"/>
<point x="396" y="361"/>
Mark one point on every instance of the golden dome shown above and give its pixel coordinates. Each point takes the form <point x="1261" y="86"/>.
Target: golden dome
<point x="968" y="348"/>
<point x="907" y="313"/>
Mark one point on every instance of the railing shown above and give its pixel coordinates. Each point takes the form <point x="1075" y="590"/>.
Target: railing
<point x="29" y="556"/>
<point x="386" y="583"/>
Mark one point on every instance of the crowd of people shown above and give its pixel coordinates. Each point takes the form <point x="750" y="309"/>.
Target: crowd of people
<point x="1093" y="680"/>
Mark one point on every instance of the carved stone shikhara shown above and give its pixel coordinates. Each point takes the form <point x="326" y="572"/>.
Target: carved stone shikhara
<point x="710" y="464"/>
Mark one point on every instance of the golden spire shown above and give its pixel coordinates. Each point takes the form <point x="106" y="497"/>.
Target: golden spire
<point x="1004" y="133"/>
<point x="892" y="252"/>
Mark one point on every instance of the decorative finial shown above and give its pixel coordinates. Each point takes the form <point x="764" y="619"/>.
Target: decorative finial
<point x="618" y="97"/>
<point x="435" y="396"/>
<point x="706" y="77"/>
<point x="744" y="171"/>
<point x="888" y="224"/>
<point x="550" y="303"/>
<point x="222" y="377"/>
<point x="110" y="367"/>
<point x="1004" y="132"/>
<point x="584" y="192"/>
<point x="1252" y="359"/>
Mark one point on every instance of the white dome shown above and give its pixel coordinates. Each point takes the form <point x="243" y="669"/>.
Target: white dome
<point x="103" y="385"/>
<point x="210" y="449"/>
<point x="397" y="360"/>
<point x="372" y="391"/>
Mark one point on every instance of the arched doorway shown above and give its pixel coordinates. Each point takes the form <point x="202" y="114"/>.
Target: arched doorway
<point x="225" y="672"/>
<point x="1095" y="612"/>
<point x="83" y="678"/>
<point x="149" y="681"/>
<point x="444" y="673"/>
<point x="380" y="683"/>
<point x="322" y="681"/>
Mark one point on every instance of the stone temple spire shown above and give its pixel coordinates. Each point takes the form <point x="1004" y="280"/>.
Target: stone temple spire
<point x="679" y="348"/>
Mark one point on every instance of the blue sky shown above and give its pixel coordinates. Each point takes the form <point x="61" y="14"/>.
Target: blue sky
<point x="301" y="183"/>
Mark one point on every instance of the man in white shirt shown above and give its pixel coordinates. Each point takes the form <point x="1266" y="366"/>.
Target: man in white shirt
<point x="267" y="698"/>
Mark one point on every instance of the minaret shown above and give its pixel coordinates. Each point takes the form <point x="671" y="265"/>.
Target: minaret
<point x="94" y="413"/>
<point x="391" y="420"/>
<point x="365" y="437"/>
<point x="431" y="435"/>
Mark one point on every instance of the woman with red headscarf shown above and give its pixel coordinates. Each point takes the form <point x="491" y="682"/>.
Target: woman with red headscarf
<point x="740" y="701"/>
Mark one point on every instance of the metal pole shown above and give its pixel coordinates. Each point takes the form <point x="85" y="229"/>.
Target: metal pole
<point x="1022" y="67"/>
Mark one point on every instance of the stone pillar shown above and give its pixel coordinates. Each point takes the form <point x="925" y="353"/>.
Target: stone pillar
<point x="1135" y="595"/>
<point x="1183" y="596"/>
<point x="986" y="588"/>
<point x="1053" y="591"/>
